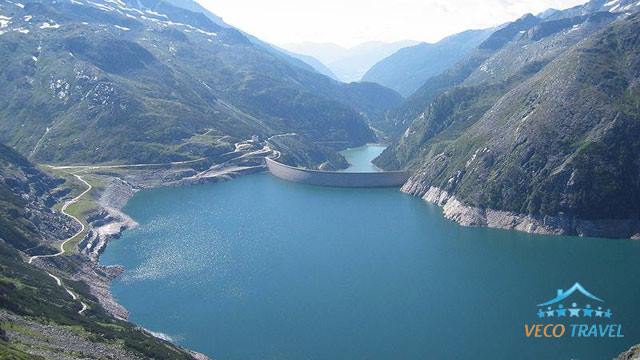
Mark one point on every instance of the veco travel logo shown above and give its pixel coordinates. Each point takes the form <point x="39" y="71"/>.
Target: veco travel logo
<point x="575" y="313"/>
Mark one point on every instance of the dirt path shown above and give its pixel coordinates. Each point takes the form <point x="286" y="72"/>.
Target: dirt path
<point x="62" y="251"/>
<point x="63" y="210"/>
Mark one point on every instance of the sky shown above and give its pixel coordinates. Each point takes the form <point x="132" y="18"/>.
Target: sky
<point x="351" y="22"/>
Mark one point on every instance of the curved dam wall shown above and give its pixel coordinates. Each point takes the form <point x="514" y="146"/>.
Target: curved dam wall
<point x="336" y="178"/>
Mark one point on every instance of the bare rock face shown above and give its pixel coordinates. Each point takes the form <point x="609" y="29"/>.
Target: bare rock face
<point x="199" y="356"/>
<point x="631" y="354"/>
<point x="99" y="280"/>
<point x="465" y="215"/>
<point x="105" y="224"/>
<point x="116" y="192"/>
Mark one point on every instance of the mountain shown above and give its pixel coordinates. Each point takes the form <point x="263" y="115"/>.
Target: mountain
<point x="26" y="198"/>
<point x="537" y="129"/>
<point x="142" y="81"/>
<point x="313" y="62"/>
<point x="489" y="59"/>
<point x="324" y="52"/>
<point x="523" y="46"/>
<point x="37" y="315"/>
<point x="195" y="7"/>
<point x="349" y="64"/>
<point x="408" y="68"/>
<point x="305" y="62"/>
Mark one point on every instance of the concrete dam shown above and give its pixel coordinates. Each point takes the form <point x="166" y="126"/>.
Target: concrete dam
<point x="337" y="178"/>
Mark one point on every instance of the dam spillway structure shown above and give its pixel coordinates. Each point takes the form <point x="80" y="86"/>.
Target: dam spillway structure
<point x="336" y="178"/>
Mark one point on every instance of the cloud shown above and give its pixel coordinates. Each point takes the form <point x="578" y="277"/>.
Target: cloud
<point x="349" y="22"/>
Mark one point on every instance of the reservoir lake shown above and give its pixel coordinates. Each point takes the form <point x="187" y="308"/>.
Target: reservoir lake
<point x="260" y="268"/>
<point x="360" y="158"/>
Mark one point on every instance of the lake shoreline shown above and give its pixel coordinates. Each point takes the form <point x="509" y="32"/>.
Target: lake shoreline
<point x="112" y="222"/>
<point x="455" y="210"/>
<point x="119" y="191"/>
<point x="154" y="262"/>
<point x="109" y="221"/>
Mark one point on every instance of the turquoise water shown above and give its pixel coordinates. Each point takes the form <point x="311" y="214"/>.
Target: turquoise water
<point x="259" y="268"/>
<point x="360" y="158"/>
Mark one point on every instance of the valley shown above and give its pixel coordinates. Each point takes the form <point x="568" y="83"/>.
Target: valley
<point x="138" y="219"/>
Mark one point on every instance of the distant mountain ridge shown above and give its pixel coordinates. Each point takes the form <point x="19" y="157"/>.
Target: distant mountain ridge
<point x="313" y="62"/>
<point x="479" y="63"/>
<point x="195" y="6"/>
<point x="349" y="64"/>
<point x="407" y="69"/>
<point x="324" y="52"/>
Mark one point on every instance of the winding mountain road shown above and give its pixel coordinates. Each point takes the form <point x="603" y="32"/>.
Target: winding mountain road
<point x="62" y="251"/>
<point x="64" y="211"/>
<point x="277" y="153"/>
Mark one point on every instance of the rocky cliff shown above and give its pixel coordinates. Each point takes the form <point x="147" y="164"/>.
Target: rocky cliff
<point x="548" y="143"/>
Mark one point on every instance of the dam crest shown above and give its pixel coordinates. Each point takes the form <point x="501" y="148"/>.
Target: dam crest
<point x="336" y="178"/>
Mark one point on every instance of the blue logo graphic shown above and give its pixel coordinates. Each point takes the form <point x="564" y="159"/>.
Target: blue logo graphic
<point x="576" y="313"/>
<point x="555" y="309"/>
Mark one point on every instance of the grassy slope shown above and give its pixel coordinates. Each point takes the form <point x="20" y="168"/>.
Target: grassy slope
<point x="108" y="95"/>
<point x="81" y="208"/>
<point x="31" y="293"/>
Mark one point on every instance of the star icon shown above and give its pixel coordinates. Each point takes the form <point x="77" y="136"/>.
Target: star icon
<point x="574" y="311"/>
<point x="550" y="313"/>
<point x="599" y="312"/>
<point x="541" y="313"/>
<point x="562" y="312"/>
<point x="608" y="314"/>
<point x="587" y="311"/>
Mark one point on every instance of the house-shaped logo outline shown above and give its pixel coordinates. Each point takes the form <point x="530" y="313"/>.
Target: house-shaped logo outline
<point x="562" y="295"/>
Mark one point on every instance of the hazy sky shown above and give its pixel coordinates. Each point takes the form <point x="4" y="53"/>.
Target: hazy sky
<point x="349" y="22"/>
